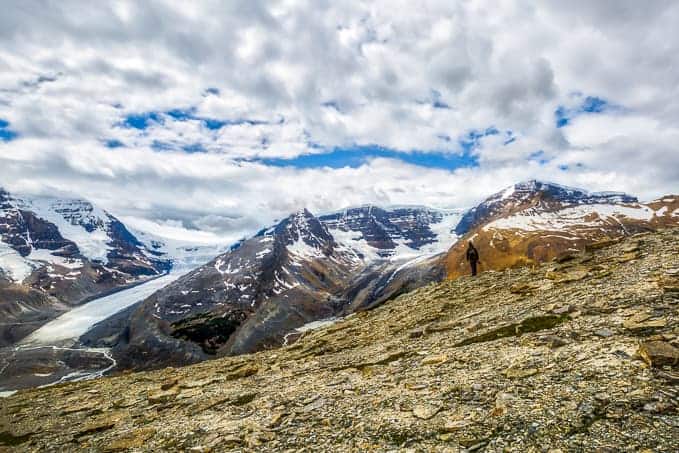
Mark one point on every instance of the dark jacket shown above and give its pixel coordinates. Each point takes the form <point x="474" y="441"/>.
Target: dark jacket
<point x="472" y="254"/>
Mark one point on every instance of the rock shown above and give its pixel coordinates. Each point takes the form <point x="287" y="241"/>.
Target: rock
<point x="97" y="426"/>
<point x="134" y="439"/>
<point x="426" y="411"/>
<point x="162" y="396"/>
<point x="86" y="406"/>
<point x="169" y="384"/>
<point x="658" y="353"/>
<point x="243" y="371"/>
<point x="674" y="272"/>
<point x="382" y="359"/>
<point x="521" y="288"/>
<point x="519" y="373"/>
<point x="243" y="398"/>
<point x="604" y="333"/>
<point x="563" y="309"/>
<point x="631" y="247"/>
<point x="231" y="441"/>
<point x="567" y="277"/>
<point x="601" y="244"/>
<point x="416" y="333"/>
<point x="434" y="359"/>
<point x="640" y="322"/>
<point x="530" y="324"/>
<point x="199" y="383"/>
<point x="626" y="257"/>
<point x="554" y="341"/>
<point x="565" y="256"/>
<point x="314" y="406"/>
<point x="276" y="419"/>
<point x="455" y="425"/>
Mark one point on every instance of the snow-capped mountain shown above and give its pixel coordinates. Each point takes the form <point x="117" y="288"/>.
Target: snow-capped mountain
<point x="60" y="253"/>
<point x="394" y="232"/>
<point x="536" y="221"/>
<point x="303" y="269"/>
<point x="542" y="196"/>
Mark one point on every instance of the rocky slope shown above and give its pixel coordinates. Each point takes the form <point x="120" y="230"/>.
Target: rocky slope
<point x="535" y="221"/>
<point x="56" y="253"/>
<point x="301" y="270"/>
<point x="574" y="356"/>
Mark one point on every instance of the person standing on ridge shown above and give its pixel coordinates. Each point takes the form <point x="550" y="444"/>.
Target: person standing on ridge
<point x="472" y="257"/>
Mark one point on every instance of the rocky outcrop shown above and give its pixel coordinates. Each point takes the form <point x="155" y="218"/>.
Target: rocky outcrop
<point x="464" y="365"/>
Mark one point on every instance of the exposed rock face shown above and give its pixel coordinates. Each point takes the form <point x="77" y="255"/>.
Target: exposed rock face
<point x="386" y="229"/>
<point x="455" y="366"/>
<point x="55" y="253"/>
<point x="301" y="270"/>
<point x="534" y="222"/>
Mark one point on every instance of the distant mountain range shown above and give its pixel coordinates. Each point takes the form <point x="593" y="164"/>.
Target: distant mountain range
<point x="258" y="293"/>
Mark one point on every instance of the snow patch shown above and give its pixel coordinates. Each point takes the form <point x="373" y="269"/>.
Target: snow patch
<point x="46" y="256"/>
<point x="18" y="267"/>
<point x="304" y="250"/>
<point x="92" y="244"/>
<point x="532" y="220"/>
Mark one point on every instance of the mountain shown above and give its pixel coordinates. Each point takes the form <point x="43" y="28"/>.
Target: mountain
<point x="536" y="221"/>
<point x="507" y="361"/>
<point x="303" y="269"/>
<point x="57" y="253"/>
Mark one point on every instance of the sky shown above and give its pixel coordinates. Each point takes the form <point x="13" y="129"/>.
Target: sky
<point x="211" y="119"/>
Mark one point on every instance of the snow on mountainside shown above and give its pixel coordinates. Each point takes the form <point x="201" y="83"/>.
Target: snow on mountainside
<point x="184" y="255"/>
<point x="399" y="232"/>
<point x="544" y="195"/>
<point x="56" y="253"/>
<point x="534" y="221"/>
<point x="65" y="233"/>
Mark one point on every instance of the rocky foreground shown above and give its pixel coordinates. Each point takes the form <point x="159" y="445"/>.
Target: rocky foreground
<point x="575" y="355"/>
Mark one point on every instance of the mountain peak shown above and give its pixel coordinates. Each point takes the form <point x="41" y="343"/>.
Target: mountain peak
<point x="531" y="192"/>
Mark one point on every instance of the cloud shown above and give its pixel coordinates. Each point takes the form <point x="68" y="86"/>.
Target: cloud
<point x="169" y="112"/>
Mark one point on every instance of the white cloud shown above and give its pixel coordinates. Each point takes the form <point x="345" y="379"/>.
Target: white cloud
<point x="333" y="74"/>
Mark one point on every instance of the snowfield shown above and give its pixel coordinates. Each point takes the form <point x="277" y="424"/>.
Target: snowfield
<point x="529" y="220"/>
<point x="76" y="322"/>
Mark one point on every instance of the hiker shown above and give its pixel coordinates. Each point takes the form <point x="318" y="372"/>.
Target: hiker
<point x="472" y="257"/>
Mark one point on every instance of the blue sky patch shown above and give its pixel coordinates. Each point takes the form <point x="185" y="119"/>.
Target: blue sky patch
<point x="113" y="143"/>
<point x="356" y="156"/>
<point x="589" y="105"/>
<point x="141" y="121"/>
<point x="539" y="156"/>
<point x="194" y="148"/>
<point x="6" y="134"/>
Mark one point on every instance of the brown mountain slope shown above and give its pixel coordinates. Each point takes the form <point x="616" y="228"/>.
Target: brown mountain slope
<point x="538" y="232"/>
<point x="579" y="356"/>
